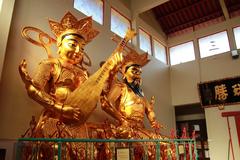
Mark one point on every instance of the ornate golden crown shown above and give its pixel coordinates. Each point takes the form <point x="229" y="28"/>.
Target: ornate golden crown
<point x="70" y="25"/>
<point x="133" y="57"/>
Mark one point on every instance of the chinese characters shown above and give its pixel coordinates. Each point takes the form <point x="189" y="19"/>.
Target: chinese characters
<point x="220" y="92"/>
<point x="236" y="89"/>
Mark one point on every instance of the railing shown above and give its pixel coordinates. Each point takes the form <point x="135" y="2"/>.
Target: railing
<point x="98" y="149"/>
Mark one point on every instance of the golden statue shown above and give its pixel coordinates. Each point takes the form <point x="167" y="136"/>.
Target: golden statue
<point x="68" y="94"/>
<point x="62" y="85"/>
<point x="57" y="77"/>
<point x="124" y="100"/>
<point x="57" y="84"/>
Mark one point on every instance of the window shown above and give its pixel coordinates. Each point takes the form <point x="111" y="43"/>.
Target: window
<point x="119" y="23"/>
<point x="236" y="32"/>
<point x="213" y="44"/>
<point x="145" y="41"/>
<point x="182" y="53"/>
<point x="159" y="51"/>
<point x="92" y="8"/>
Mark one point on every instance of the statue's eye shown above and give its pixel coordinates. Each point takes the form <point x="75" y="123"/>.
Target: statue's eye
<point x="136" y="71"/>
<point x="72" y="44"/>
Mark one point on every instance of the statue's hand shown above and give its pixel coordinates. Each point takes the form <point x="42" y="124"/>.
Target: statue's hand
<point x="152" y="102"/>
<point x="104" y="101"/>
<point x="71" y="112"/>
<point x="23" y="73"/>
<point x="116" y="59"/>
<point x="125" y="130"/>
<point x="157" y="126"/>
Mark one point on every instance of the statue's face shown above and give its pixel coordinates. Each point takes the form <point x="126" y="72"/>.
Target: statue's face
<point x="133" y="75"/>
<point x="71" y="49"/>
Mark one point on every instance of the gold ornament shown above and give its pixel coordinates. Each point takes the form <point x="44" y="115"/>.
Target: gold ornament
<point x="70" y="25"/>
<point x="133" y="57"/>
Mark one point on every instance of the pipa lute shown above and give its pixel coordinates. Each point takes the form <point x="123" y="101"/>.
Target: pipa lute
<point x="87" y="95"/>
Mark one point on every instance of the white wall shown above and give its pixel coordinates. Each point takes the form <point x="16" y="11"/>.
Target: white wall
<point x="6" y="10"/>
<point x="139" y="6"/>
<point x="185" y="76"/>
<point x="218" y="135"/>
<point x="157" y="76"/>
<point x="184" y="79"/>
<point x="150" y="19"/>
<point x="16" y="108"/>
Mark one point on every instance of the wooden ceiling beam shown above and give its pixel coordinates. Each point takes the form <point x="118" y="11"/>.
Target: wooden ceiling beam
<point x="224" y="9"/>
<point x="193" y="22"/>
<point x="182" y="9"/>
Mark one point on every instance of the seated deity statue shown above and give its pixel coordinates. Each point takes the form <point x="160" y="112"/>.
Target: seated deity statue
<point x="57" y="78"/>
<point x="124" y="100"/>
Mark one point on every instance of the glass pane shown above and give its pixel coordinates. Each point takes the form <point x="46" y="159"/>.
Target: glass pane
<point x="182" y="53"/>
<point x="214" y="44"/>
<point x="145" y="42"/>
<point x="159" y="51"/>
<point x="236" y="32"/>
<point x="92" y="8"/>
<point x="119" y="24"/>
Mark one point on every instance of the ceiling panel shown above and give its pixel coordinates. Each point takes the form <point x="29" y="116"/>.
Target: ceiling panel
<point x="176" y="15"/>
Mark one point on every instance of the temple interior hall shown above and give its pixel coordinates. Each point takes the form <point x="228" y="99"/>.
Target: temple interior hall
<point x="192" y="44"/>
